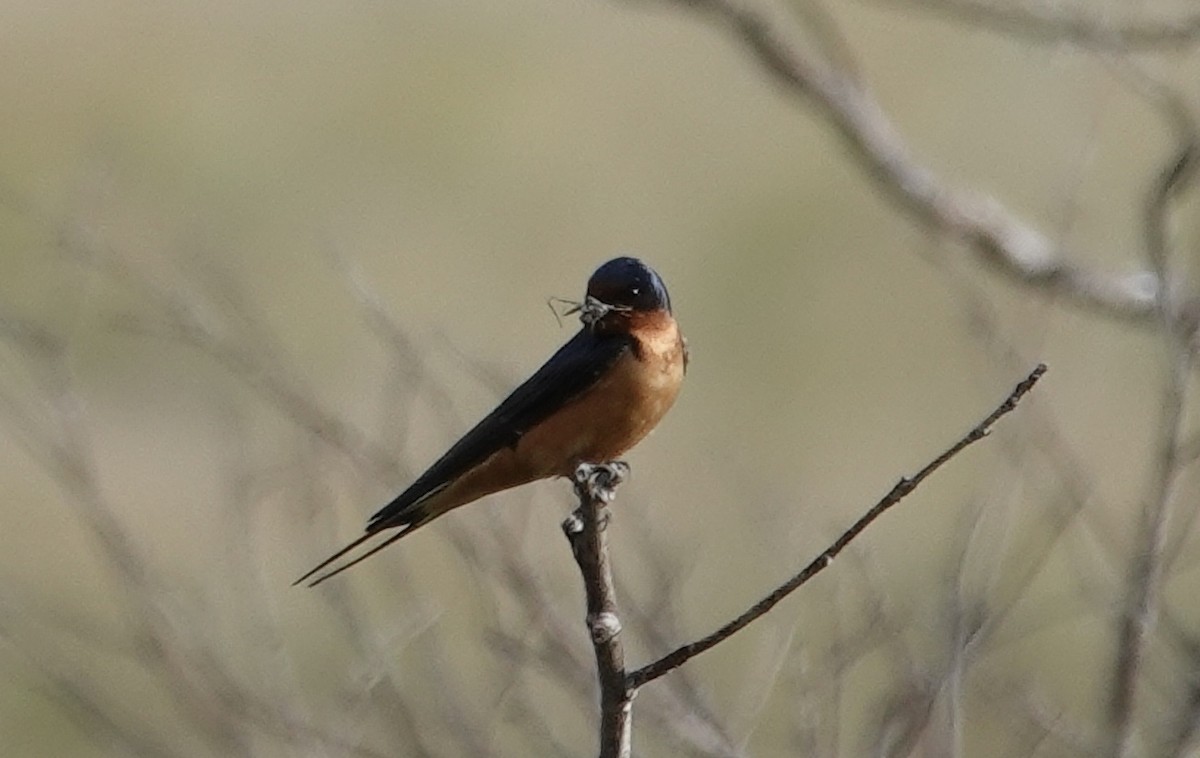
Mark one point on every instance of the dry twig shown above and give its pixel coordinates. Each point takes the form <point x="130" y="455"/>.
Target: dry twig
<point x="902" y="489"/>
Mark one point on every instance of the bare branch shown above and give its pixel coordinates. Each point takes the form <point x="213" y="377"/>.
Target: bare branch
<point x="998" y="237"/>
<point x="1140" y="608"/>
<point x="902" y="489"/>
<point x="1048" y="22"/>
<point x="586" y="531"/>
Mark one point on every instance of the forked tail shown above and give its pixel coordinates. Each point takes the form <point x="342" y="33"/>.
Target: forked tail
<point x="408" y="529"/>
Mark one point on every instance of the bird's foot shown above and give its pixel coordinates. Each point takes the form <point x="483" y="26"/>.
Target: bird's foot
<point x="599" y="481"/>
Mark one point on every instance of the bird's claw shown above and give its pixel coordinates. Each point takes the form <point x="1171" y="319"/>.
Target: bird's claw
<point x="599" y="481"/>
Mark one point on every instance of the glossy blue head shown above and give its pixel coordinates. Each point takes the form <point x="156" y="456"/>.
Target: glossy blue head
<point x="628" y="284"/>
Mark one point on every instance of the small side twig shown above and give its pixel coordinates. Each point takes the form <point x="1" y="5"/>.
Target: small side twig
<point x="902" y="489"/>
<point x="595" y="485"/>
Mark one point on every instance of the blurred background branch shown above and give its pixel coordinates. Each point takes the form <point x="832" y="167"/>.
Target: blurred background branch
<point x="1119" y="31"/>
<point x="990" y="230"/>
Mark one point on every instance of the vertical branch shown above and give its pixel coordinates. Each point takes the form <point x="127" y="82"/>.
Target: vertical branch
<point x="1140" y="610"/>
<point x="586" y="531"/>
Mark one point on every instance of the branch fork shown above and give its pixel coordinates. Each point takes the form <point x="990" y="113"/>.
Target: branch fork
<point x="586" y="530"/>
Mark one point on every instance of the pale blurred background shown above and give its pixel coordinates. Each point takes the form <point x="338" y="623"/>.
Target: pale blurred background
<point x="262" y="261"/>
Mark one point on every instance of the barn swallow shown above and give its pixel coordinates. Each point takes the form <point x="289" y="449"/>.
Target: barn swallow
<point x="597" y="397"/>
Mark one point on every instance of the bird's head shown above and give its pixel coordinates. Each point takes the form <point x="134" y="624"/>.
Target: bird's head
<point x="623" y="287"/>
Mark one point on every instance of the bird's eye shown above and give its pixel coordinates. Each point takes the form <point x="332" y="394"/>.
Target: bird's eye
<point x="636" y="291"/>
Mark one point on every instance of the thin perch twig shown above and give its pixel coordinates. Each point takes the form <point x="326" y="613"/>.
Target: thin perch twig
<point x="905" y="486"/>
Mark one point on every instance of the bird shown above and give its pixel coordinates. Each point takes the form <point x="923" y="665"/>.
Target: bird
<point x="595" y="398"/>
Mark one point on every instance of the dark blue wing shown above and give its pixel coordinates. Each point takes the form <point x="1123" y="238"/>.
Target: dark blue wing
<point x="569" y="372"/>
